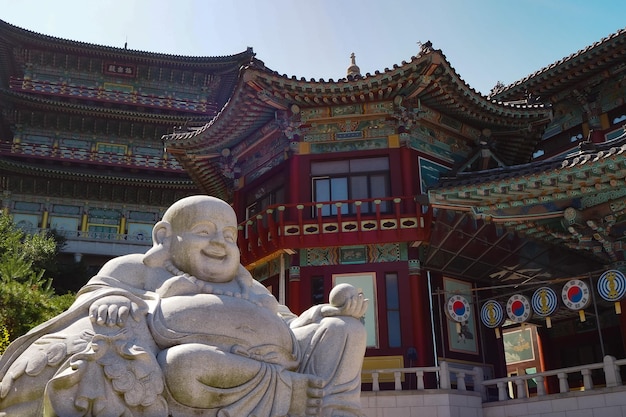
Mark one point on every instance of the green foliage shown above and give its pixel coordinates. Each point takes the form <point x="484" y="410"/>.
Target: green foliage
<point x="27" y="297"/>
<point x="4" y="339"/>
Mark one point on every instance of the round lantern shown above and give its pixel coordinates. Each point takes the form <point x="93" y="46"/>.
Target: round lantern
<point x="492" y="315"/>
<point x="612" y="287"/>
<point x="544" y="302"/>
<point x="458" y="308"/>
<point x="576" y="296"/>
<point x="518" y="308"/>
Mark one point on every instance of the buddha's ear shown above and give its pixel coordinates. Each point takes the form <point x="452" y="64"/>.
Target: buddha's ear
<point x="159" y="253"/>
<point x="161" y="233"/>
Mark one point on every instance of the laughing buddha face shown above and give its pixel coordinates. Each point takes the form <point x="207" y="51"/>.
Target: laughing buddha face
<point x="203" y="240"/>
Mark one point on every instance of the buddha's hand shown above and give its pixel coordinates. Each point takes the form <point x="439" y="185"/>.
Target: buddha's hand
<point x="114" y="310"/>
<point x="354" y="306"/>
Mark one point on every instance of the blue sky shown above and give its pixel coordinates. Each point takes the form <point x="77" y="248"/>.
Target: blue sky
<point x="486" y="41"/>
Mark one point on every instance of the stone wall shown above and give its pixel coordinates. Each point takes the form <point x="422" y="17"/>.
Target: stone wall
<point x="601" y="402"/>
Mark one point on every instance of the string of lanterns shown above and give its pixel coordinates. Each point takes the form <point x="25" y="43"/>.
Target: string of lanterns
<point x="575" y="296"/>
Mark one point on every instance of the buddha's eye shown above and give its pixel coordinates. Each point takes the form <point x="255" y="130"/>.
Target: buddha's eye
<point x="230" y="235"/>
<point x="204" y="229"/>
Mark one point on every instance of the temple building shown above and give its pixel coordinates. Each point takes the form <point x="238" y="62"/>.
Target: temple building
<point x="81" y="127"/>
<point x="448" y="208"/>
<point x="487" y="231"/>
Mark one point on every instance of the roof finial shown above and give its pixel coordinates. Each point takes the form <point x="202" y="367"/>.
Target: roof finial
<point x="353" y="69"/>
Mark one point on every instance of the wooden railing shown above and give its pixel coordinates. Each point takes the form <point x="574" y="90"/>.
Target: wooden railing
<point x="447" y="376"/>
<point x="100" y="94"/>
<point x="44" y="151"/>
<point x="94" y="236"/>
<point x="286" y="227"/>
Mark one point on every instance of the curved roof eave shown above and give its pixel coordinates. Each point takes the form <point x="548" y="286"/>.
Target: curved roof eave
<point x="244" y="112"/>
<point x="429" y="68"/>
<point x="97" y="111"/>
<point x="154" y="181"/>
<point x="550" y="78"/>
<point x="259" y="92"/>
<point x="52" y="42"/>
<point x="587" y="155"/>
<point x="206" y="175"/>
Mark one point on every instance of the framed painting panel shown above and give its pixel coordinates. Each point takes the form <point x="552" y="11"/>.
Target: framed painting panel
<point x="518" y="346"/>
<point x="461" y="336"/>
<point x="366" y="282"/>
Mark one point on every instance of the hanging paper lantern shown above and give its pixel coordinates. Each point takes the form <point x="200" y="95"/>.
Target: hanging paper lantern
<point x="544" y="302"/>
<point x="518" y="308"/>
<point x="612" y="287"/>
<point x="576" y="296"/>
<point x="492" y="315"/>
<point x="458" y="308"/>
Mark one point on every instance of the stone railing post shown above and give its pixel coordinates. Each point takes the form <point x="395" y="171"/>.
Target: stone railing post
<point x="460" y="381"/>
<point x="502" y="394"/>
<point x="479" y="377"/>
<point x="541" y="388"/>
<point x="520" y="387"/>
<point x="444" y="375"/>
<point x="563" y="385"/>
<point x="397" y="378"/>
<point x="587" y="381"/>
<point x="375" y="384"/>
<point x="420" y="379"/>
<point x="611" y="374"/>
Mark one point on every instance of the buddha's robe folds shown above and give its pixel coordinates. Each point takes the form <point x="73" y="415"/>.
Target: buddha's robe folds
<point x="71" y="366"/>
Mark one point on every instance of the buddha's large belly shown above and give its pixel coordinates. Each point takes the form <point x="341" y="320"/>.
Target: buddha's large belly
<point x="224" y="322"/>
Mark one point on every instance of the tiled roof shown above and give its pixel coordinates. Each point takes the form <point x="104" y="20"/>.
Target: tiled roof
<point x="17" y="34"/>
<point x="260" y="92"/>
<point x="37" y="101"/>
<point x="609" y="52"/>
<point x="586" y="154"/>
<point x="91" y="175"/>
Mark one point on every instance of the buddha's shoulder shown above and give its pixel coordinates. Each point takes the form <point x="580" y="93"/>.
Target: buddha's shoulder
<point x="129" y="269"/>
<point x="124" y="263"/>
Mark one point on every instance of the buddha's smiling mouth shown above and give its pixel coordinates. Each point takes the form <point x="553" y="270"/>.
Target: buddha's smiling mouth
<point x="219" y="256"/>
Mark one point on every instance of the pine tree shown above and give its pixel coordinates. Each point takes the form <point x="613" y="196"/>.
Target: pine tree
<point x="27" y="297"/>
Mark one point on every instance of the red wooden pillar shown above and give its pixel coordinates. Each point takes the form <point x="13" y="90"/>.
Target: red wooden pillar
<point x="420" y="305"/>
<point x="294" y="185"/>
<point x="408" y="173"/>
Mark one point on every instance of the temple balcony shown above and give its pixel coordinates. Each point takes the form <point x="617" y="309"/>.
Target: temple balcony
<point x="100" y="94"/>
<point x="94" y="157"/>
<point x="79" y="243"/>
<point x="287" y="227"/>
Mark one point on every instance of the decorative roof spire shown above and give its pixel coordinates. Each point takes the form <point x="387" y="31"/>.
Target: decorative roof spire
<point x="353" y="69"/>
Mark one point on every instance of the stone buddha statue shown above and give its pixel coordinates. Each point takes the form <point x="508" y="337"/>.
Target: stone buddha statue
<point x="184" y="330"/>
